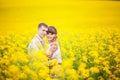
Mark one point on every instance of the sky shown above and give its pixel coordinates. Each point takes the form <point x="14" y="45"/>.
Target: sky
<point x="19" y="15"/>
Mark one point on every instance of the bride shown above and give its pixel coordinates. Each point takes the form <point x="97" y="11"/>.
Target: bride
<point x="53" y="51"/>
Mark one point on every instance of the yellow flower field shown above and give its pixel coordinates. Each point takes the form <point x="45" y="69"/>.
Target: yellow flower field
<point x="88" y="34"/>
<point x="86" y="56"/>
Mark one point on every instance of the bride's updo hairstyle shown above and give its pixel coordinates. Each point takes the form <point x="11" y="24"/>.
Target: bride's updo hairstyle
<point x="52" y="30"/>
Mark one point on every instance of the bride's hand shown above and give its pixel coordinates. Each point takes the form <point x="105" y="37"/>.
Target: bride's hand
<point x="49" y="55"/>
<point x="53" y="48"/>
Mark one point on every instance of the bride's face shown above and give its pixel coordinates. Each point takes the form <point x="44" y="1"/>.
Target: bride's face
<point x="50" y="36"/>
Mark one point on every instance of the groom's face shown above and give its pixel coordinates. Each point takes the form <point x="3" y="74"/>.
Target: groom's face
<point x="42" y="31"/>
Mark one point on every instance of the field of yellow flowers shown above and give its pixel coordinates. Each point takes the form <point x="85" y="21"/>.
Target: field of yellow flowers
<point x="86" y="56"/>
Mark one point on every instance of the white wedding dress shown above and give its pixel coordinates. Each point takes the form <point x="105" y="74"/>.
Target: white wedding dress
<point x="56" y="54"/>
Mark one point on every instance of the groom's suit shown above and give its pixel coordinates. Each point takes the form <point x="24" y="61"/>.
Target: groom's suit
<point x="36" y="44"/>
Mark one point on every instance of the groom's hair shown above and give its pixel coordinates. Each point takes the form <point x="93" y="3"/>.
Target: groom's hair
<point x="42" y="24"/>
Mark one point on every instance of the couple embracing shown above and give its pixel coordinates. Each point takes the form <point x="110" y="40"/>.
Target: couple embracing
<point x="37" y="43"/>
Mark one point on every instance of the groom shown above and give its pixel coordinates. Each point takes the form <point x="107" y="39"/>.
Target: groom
<point x="37" y="42"/>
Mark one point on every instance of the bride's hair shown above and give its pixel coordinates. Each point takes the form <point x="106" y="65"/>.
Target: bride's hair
<point x="52" y="30"/>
